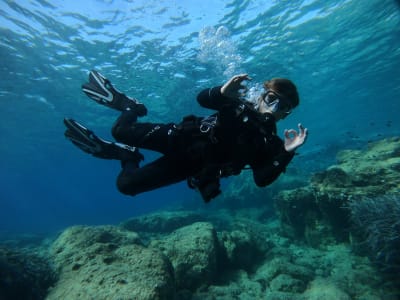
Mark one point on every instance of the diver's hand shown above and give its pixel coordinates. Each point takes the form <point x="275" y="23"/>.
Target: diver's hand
<point x="294" y="139"/>
<point x="233" y="88"/>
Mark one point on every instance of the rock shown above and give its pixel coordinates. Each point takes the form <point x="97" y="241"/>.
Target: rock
<point x="107" y="262"/>
<point x="276" y="295"/>
<point x="273" y="269"/>
<point x="193" y="253"/>
<point x="296" y="210"/>
<point x="239" y="287"/>
<point x="323" y="289"/>
<point x="334" y="176"/>
<point x="24" y="274"/>
<point x="317" y="213"/>
<point x="70" y="247"/>
<point x="369" y="172"/>
<point x="242" y="251"/>
<point x="164" y="222"/>
<point x="286" y="283"/>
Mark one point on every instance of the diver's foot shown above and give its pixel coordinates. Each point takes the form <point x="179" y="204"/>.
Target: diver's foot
<point x="88" y="142"/>
<point x="103" y="92"/>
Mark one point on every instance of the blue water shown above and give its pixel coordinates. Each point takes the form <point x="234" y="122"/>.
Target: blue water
<point x="344" y="57"/>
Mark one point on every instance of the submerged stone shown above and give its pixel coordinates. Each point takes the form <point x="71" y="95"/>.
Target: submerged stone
<point x="107" y="262"/>
<point x="193" y="252"/>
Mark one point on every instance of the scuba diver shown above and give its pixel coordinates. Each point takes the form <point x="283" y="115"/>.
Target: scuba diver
<point x="200" y="150"/>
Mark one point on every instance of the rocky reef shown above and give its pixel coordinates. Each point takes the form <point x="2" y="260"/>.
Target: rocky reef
<point x="355" y="201"/>
<point x="241" y="258"/>
<point x="317" y="248"/>
<point x="317" y="212"/>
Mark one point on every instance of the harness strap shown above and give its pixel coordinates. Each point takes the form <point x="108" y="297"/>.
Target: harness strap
<point x="196" y="126"/>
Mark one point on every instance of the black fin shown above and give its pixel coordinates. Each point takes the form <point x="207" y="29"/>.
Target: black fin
<point x="100" y="89"/>
<point x="87" y="141"/>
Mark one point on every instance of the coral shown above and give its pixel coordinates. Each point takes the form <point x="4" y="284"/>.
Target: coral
<point x="377" y="222"/>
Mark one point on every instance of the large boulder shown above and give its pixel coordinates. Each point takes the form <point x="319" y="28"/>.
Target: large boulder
<point x="245" y="246"/>
<point x="324" y="289"/>
<point x="193" y="252"/>
<point x="107" y="262"/>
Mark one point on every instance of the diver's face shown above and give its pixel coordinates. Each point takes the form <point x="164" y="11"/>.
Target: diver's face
<point x="275" y="104"/>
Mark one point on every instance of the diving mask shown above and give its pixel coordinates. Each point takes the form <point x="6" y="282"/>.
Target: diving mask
<point x="275" y="102"/>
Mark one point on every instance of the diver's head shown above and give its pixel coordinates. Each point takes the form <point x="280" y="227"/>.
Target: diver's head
<point x="279" y="99"/>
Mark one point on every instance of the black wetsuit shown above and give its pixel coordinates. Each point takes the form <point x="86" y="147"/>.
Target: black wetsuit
<point x="241" y="136"/>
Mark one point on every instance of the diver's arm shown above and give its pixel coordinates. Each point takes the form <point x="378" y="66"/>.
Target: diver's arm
<point x="219" y="96"/>
<point x="212" y="98"/>
<point x="234" y="88"/>
<point x="294" y="139"/>
<point x="267" y="172"/>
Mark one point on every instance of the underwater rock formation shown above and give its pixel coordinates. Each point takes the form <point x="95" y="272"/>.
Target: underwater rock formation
<point x="104" y="261"/>
<point x="317" y="213"/>
<point x="324" y="289"/>
<point x="24" y="274"/>
<point x="240" y="249"/>
<point x="291" y="271"/>
<point x="198" y="262"/>
<point x="193" y="252"/>
<point x="107" y="262"/>
<point x="241" y="252"/>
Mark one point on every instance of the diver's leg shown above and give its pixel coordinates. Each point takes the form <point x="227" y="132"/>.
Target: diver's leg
<point x="162" y="172"/>
<point x="151" y="136"/>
